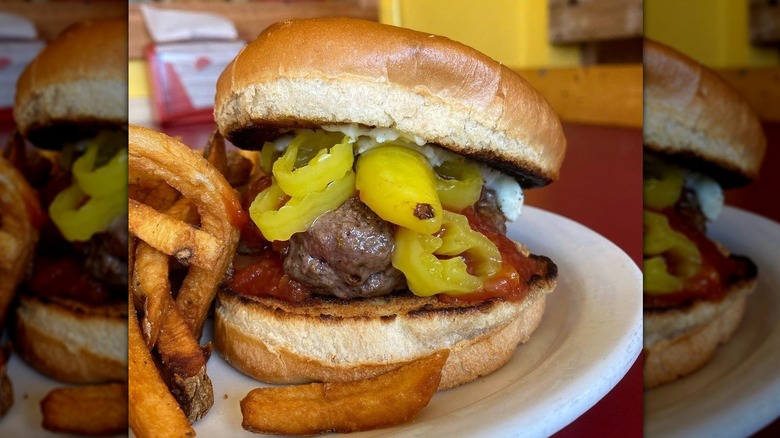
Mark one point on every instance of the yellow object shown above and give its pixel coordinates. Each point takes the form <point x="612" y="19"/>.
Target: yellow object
<point x="657" y="279"/>
<point x="426" y="274"/>
<point x="663" y="185"/>
<point x="459" y="184"/>
<point x="97" y="196"/>
<point x="278" y="220"/>
<point x="268" y="156"/>
<point x="109" y="179"/>
<point x="512" y="32"/>
<point x="399" y="185"/>
<point x="313" y="176"/>
<point x="138" y="83"/>
<point x="661" y="239"/>
<point x="713" y="32"/>
<point x="602" y="95"/>
<point x="459" y="239"/>
<point x="325" y="167"/>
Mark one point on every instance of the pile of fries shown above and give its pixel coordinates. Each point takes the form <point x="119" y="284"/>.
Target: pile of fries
<point x="179" y="216"/>
<point x="18" y="235"/>
<point x="185" y="217"/>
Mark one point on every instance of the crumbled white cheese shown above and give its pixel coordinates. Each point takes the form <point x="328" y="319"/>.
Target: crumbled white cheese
<point x="281" y="143"/>
<point x="508" y="192"/>
<point x="708" y="192"/>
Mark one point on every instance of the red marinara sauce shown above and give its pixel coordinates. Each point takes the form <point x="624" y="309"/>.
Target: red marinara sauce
<point x="718" y="271"/>
<point x="263" y="274"/>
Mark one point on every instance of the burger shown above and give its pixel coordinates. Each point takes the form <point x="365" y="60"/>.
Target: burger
<point x="71" y="321"/>
<point x="700" y="137"/>
<point x="392" y="160"/>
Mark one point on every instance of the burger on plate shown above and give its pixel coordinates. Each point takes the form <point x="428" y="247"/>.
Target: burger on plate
<point x="71" y="322"/>
<point x="393" y="159"/>
<point x="700" y="136"/>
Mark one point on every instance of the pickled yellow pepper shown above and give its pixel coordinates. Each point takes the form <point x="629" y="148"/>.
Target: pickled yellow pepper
<point x="662" y="188"/>
<point x="302" y="190"/>
<point x="661" y="240"/>
<point x="416" y="255"/>
<point x="399" y="185"/>
<point x="459" y="184"/>
<point x="97" y="196"/>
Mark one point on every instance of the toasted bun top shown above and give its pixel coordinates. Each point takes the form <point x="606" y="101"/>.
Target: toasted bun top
<point x="691" y="113"/>
<point x="76" y="85"/>
<point x="312" y="72"/>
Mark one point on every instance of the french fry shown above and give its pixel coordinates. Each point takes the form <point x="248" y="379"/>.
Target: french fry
<point x="151" y="286"/>
<point x="382" y="401"/>
<point x="183" y="360"/>
<point x="153" y="156"/>
<point x="95" y="410"/>
<point x="215" y="152"/>
<point x="156" y="194"/>
<point x="239" y="168"/>
<point x="17" y="234"/>
<point x="173" y="237"/>
<point x="182" y="356"/>
<point x="153" y="412"/>
<point x="200" y="285"/>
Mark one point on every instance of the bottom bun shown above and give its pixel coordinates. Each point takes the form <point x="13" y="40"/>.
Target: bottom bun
<point x="330" y="340"/>
<point x="680" y="341"/>
<point x="72" y="342"/>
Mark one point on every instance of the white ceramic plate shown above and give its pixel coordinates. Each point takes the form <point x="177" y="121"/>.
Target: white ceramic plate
<point x="590" y="336"/>
<point x="738" y="392"/>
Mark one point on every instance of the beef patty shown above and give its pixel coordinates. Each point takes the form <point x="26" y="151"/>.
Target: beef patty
<point x="347" y="253"/>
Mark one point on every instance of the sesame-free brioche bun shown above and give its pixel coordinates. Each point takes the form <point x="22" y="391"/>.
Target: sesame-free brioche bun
<point x="690" y="112"/>
<point x="76" y="85"/>
<point x="330" y="71"/>
<point x="680" y="340"/>
<point x="333" y="340"/>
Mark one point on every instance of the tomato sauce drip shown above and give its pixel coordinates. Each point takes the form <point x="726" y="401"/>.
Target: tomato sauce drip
<point x="263" y="274"/>
<point x="717" y="272"/>
<point x="64" y="276"/>
<point x="237" y="216"/>
<point x="511" y="282"/>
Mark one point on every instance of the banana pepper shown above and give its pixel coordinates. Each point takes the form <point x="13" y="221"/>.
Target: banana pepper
<point x="304" y="189"/>
<point x="663" y="243"/>
<point x="97" y="196"/>
<point x="417" y="255"/>
<point x="662" y="185"/>
<point x="399" y="185"/>
<point x="458" y="184"/>
<point x="325" y="167"/>
<point x="268" y="156"/>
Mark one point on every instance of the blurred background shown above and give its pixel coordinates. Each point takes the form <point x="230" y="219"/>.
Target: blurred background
<point x="26" y="26"/>
<point x="740" y="41"/>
